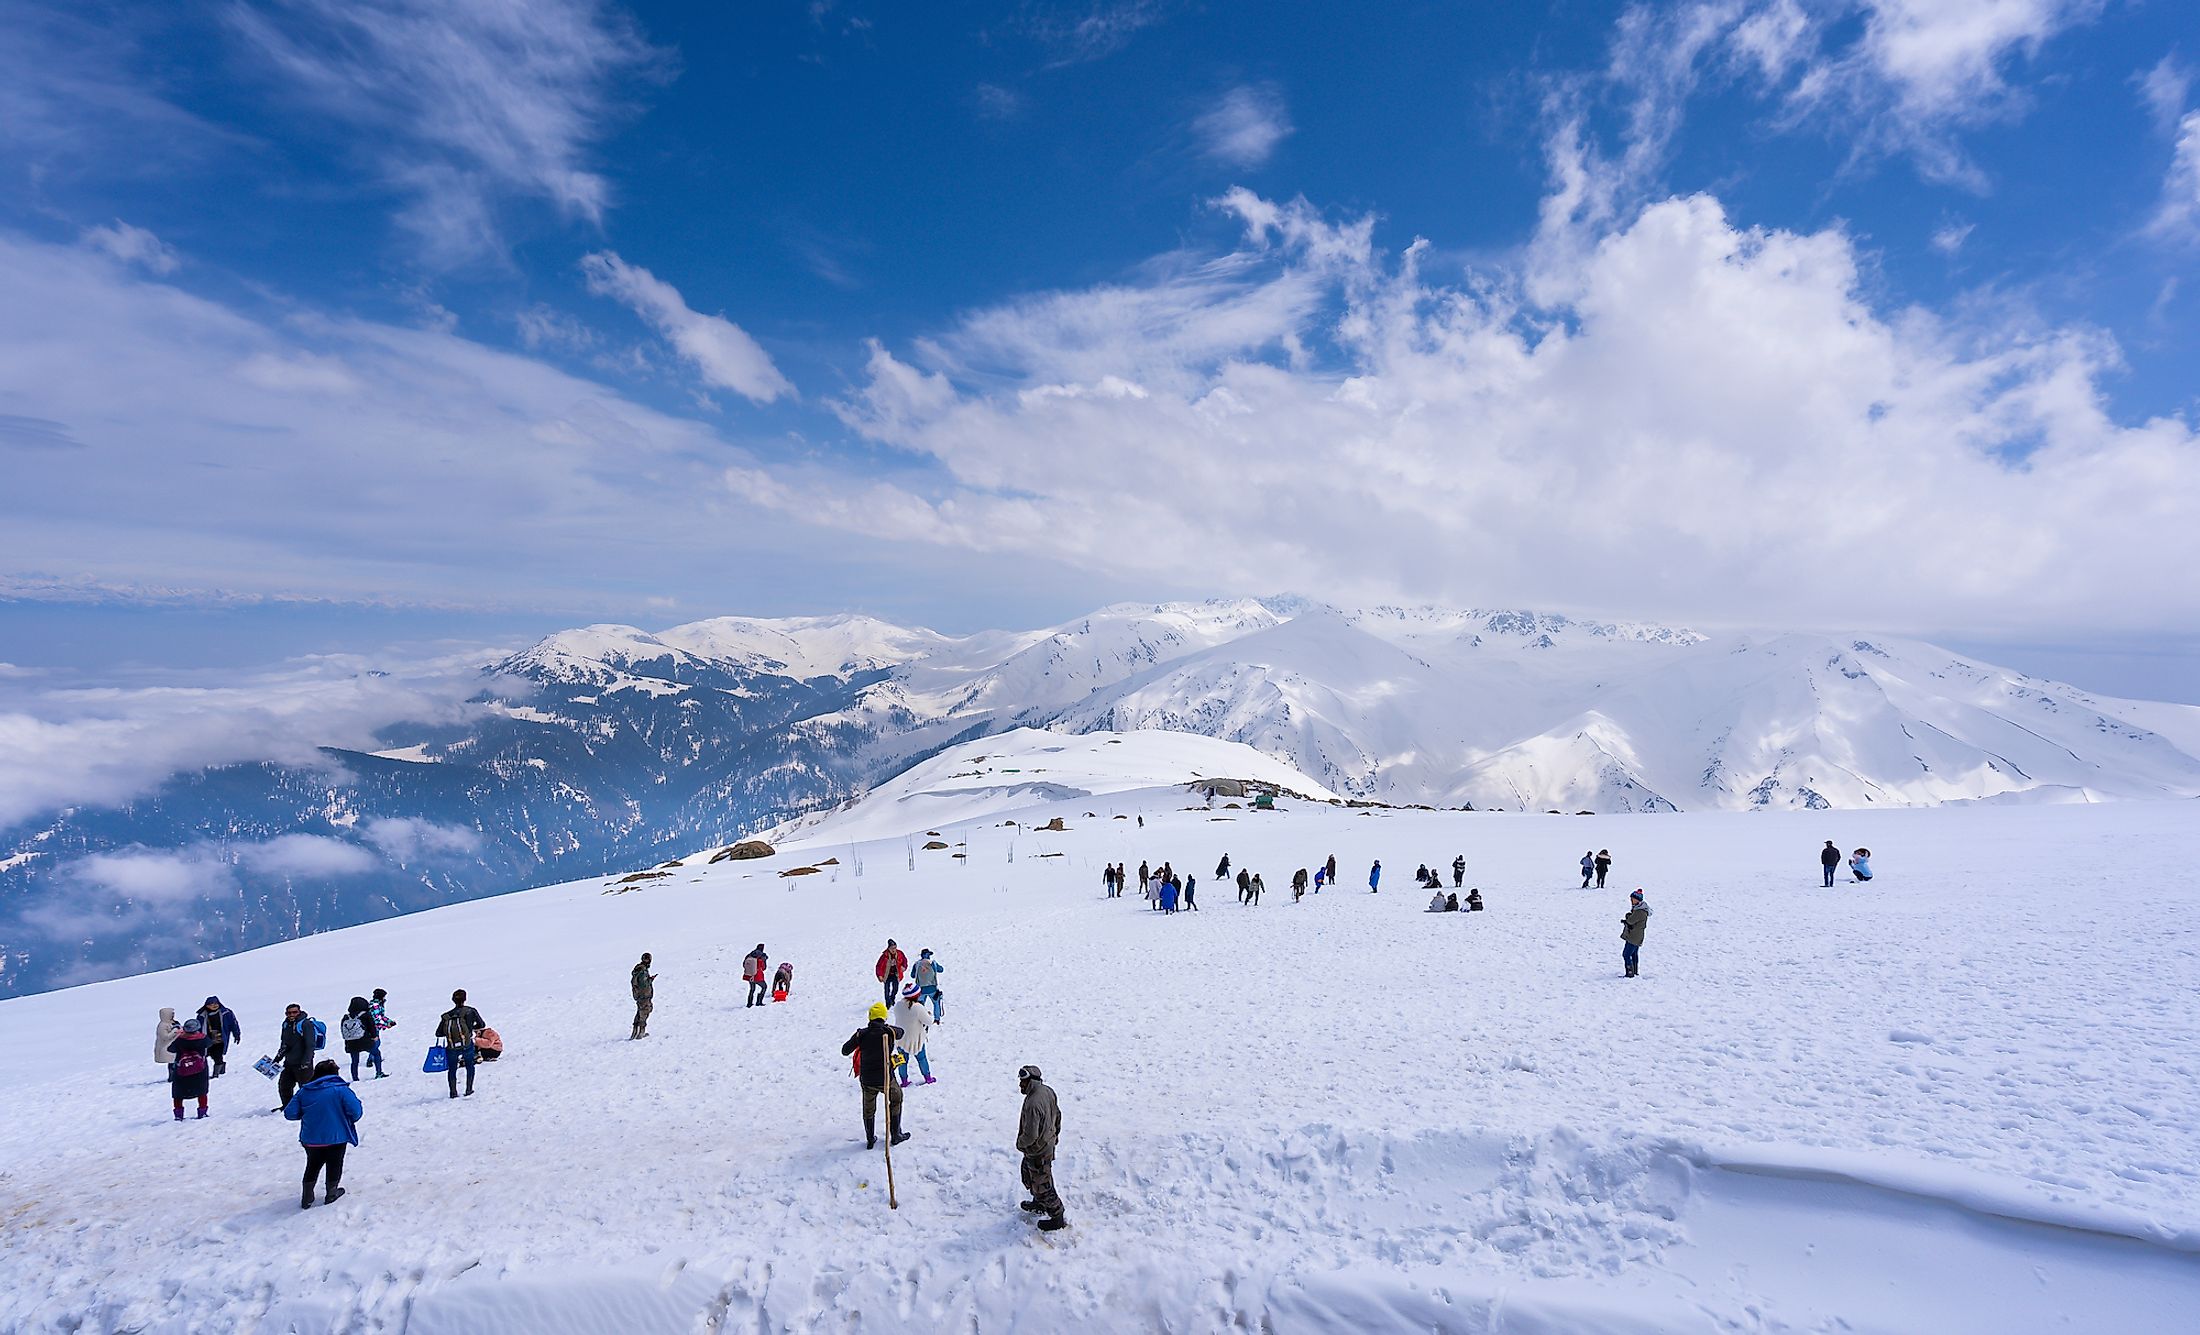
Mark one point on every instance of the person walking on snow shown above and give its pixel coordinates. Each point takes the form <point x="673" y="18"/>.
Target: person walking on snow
<point x="1375" y="878"/>
<point x="753" y="966"/>
<point x="295" y="1049"/>
<point x="1829" y="857"/>
<point x="327" y="1114"/>
<point x="1298" y="885"/>
<point x="187" y="1065"/>
<point x="1191" y="900"/>
<point x="1321" y="874"/>
<point x="458" y="1028"/>
<point x="1245" y="886"/>
<point x="1603" y="864"/>
<point x="872" y="1047"/>
<point x="926" y="975"/>
<point x="916" y="1027"/>
<point x="644" y="986"/>
<point x="165" y="1030"/>
<point x="1588" y="869"/>
<point x="361" y="1037"/>
<point x="1260" y="887"/>
<point x="1330" y="867"/>
<point x="1458" y="871"/>
<point x="1631" y="928"/>
<point x="892" y="964"/>
<point x="221" y="1031"/>
<point x="1222" y="868"/>
<point x="1038" y="1135"/>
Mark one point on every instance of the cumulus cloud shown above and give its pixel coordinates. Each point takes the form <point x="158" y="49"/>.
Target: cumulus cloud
<point x="460" y="106"/>
<point x="63" y="744"/>
<point x="1244" y="127"/>
<point x="1669" y="413"/>
<point x="131" y="245"/>
<point x="719" y="350"/>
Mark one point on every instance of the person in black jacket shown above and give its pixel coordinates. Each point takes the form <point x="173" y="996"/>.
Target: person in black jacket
<point x="457" y="1029"/>
<point x="872" y="1046"/>
<point x="222" y="1030"/>
<point x="1829" y="857"/>
<point x="295" y="1051"/>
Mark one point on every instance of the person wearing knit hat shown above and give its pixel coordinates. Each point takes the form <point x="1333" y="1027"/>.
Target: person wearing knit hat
<point x="1631" y="930"/>
<point x="873" y="1049"/>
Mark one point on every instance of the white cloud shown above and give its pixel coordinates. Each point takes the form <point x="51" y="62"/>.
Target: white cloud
<point x="547" y="328"/>
<point x="716" y="347"/>
<point x="1244" y="127"/>
<point x="1949" y="237"/>
<point x="155" y="878"/>
<point x="1903" y="77"/>
<point x="459" y="106"/>
<point x="405" y="839"/>
<point x="1670" y="414"/>
<point x="63" y="744"/>
<point x="307" y="855"/>
<point x="2178" y="217"/>
<point x="2164" y="89"/>
<point x="1076" y="31"/>
<point x="131" y="245"/>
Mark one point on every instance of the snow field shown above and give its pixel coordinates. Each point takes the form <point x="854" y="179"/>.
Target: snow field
<point x="1960" y="1098"/>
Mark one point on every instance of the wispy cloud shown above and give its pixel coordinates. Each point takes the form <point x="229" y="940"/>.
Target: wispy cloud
<point x="719" y="350"/>
<point x="997" y="102"/>
<point x="131" y="245"/>
<point x="2164" y="88"/>
<point x="1949" y="237"/>
<point x="1244" y="126"/>
<point x="459" y="107"/>
<point x="1074" y="33"/>
<point x="2178" y="216"/>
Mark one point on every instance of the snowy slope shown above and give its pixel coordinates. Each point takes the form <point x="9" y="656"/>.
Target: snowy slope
<point x="1957" y="1100"/>
<point x="1010" y="771"/>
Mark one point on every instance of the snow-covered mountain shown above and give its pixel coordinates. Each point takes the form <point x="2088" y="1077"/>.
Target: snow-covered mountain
<point x="609" y="745"/>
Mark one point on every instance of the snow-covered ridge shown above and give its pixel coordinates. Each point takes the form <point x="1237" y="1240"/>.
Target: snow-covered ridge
<point x="1503" y="708"/>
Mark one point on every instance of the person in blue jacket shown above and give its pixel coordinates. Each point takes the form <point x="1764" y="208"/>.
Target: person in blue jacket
<point x="327" y="1114"/>
<point x="1375" y="878"/>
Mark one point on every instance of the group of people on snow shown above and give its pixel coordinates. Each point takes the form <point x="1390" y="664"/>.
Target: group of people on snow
<point x="1428" y="879"/>
<point x="1860" y="862"/>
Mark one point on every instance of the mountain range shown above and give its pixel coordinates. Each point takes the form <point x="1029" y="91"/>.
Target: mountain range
<point x="607" y="747"/>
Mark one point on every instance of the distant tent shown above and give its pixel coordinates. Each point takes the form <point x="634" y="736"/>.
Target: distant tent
<point x="1265" y="802"/>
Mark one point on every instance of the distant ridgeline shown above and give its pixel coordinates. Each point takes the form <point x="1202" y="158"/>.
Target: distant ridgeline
<point x="606" y="748"/>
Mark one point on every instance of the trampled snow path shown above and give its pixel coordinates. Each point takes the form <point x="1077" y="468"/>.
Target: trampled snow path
<point x="1959" y="1099"/>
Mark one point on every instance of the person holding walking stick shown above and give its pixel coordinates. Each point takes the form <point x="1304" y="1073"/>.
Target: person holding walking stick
<point x="872" y="1047"/>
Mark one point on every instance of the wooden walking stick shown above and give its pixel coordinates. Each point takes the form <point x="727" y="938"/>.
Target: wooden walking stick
<point x="893" y="1124"/>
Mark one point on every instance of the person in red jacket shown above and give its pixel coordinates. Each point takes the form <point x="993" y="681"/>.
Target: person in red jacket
<point x="892" y="964"/>
<point x="753" y="965"/>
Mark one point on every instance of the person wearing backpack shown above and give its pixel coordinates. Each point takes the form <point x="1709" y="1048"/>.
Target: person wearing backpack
<point x="892" y="964"/>
<point x="644" y="984"/>
<point x="457" y="1029"/>
<point x="327" y="1114"/>
<point x="873" y="1049"/>
<point x="301" y="1037"/>
<point x="361" y="1036"/>
<point x="926" y="975"/>
<point x="753" y="967"/>
<point x="221" y="1031"/>
<point x="782" y="981"/>
<point x="187" y="1065"/>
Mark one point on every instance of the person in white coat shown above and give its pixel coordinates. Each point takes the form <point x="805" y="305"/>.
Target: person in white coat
<point x="915" y="1021"/>
<point x="164" y="1033"/>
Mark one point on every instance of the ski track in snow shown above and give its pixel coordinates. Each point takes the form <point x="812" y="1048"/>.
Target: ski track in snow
<point x="1960" y="1098"/>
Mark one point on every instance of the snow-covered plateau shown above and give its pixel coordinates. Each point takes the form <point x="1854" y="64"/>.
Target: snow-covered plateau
<point x="1958" y="1098"/>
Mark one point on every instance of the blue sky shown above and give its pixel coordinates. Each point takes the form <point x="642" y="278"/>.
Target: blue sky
<point x="347" y="323"/>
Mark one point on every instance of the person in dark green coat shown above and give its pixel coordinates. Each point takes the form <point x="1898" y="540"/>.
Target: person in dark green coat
<point x="1631" y="929"/>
